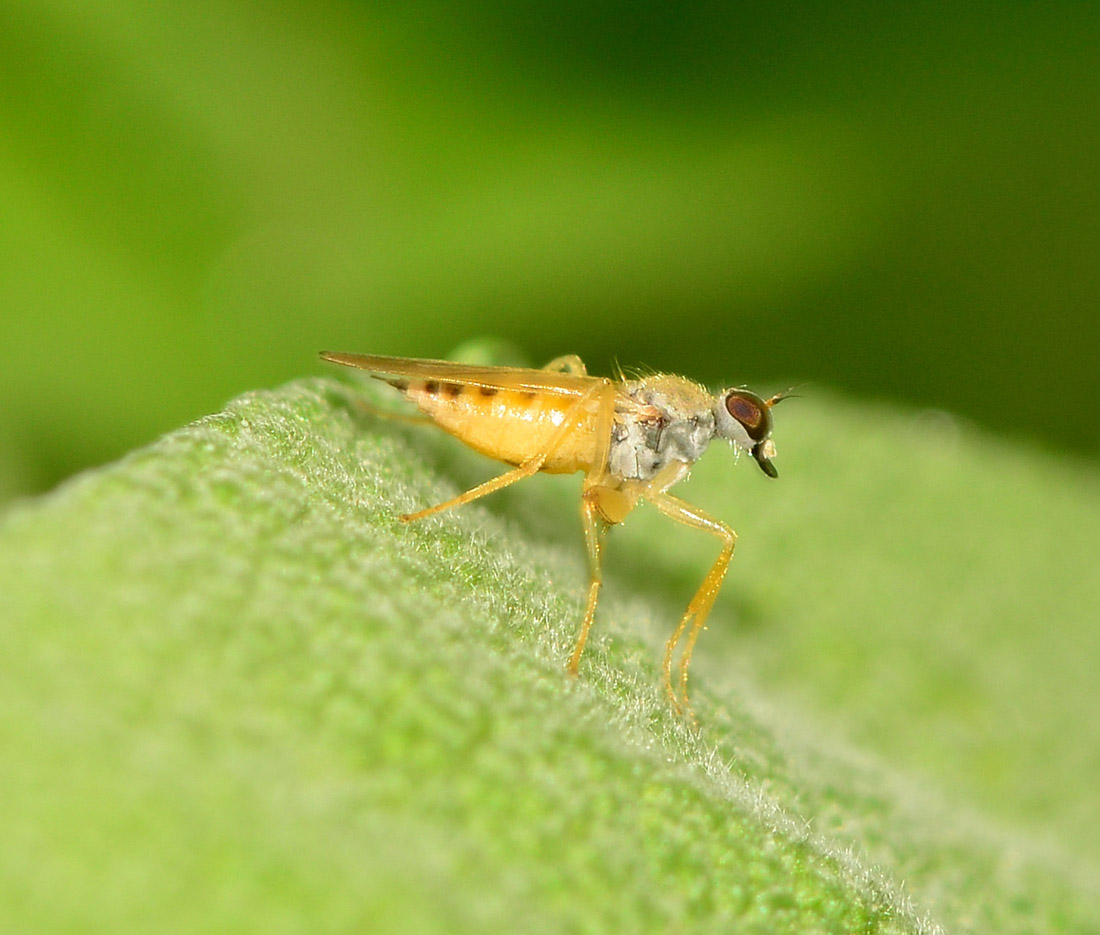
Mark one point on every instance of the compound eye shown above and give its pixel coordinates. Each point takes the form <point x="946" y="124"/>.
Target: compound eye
<point x="751" y="411"/>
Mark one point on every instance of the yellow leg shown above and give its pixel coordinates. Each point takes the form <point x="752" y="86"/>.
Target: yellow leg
<point x="600" y="506"/>
<point x="593" y="541"/>
<point x="529" y="467"/>
<point x="526" y="469"/>
<point x="699" y="608"/>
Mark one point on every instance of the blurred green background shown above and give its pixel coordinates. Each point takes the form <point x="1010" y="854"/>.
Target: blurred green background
<point x="899" y="202"/>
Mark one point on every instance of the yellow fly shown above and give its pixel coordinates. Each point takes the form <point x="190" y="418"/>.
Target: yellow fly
<point x="633" y="439"/>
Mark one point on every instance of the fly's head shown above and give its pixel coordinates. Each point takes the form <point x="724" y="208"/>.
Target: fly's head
<point x="745" y="419"/>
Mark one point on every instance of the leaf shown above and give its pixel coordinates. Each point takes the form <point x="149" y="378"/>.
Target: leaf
<point x="237" y="694"/>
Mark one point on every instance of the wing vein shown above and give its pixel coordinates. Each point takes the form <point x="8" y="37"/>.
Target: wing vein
<point x="416" y="368"/>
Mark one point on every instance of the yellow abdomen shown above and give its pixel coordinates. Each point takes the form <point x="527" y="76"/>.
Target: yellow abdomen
<point x="510" y="425"/>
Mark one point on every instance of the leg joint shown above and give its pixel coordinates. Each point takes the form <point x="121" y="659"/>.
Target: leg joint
<point x="611" y="503"/>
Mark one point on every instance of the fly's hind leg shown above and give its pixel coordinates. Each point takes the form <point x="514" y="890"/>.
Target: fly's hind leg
<point x="526" y="469"/>
<point x="699" y="608"/>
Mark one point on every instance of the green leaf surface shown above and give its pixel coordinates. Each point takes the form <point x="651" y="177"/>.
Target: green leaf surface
<point x="236" y="694"/>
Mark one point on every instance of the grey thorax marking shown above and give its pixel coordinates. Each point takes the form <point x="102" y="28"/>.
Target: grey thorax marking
<point x="643" y="443"/>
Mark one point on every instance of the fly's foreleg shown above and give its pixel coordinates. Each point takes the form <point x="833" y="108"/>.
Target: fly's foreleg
<point x="701" y="604"/>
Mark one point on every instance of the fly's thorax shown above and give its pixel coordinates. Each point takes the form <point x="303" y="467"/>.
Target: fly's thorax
<point x="663" y="419"/>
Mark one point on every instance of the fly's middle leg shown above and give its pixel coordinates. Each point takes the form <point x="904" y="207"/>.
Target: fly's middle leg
<point x="601" y="506"/>
<point x="594" y="530"/>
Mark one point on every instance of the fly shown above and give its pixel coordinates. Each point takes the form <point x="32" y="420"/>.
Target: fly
<point x="633" y="439"/>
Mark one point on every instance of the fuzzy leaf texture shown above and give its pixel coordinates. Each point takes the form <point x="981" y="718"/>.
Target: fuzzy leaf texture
<point x="236" y="694"/>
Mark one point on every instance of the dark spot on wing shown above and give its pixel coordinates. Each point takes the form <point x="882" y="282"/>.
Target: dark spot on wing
<point x="431" y="387"/>
<point x="453" y="390"/>
<point x="488" y="390"/>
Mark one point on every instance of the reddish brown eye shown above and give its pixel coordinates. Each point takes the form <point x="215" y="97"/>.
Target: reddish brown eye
<point x="750" y="412"/>
<point x="744" y="410"/>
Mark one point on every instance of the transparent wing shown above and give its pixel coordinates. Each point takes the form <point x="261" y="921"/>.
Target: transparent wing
<point x="505" y="378"/>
